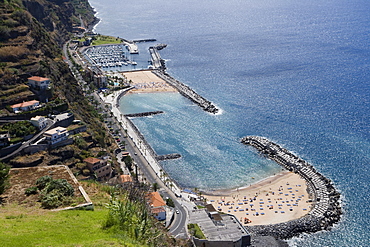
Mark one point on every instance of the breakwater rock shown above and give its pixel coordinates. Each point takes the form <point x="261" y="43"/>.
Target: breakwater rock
<point x="168" y="156"/>
<point x="187" y="92"/>
<point x="144" y="114"/>
<point x="326" y="209"/>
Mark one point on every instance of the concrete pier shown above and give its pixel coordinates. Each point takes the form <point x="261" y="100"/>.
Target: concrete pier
<point x="326" y="209"/>
<point x="156" y="58"/>
<point x="132" y="47"/>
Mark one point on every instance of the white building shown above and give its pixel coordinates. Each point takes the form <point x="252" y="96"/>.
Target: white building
<point x="25" y="106"/>
<point x="39" y="122"/>
<point x="4" y="139"/>
<point x="39" y="83"/>
<point x="56" y="135"/>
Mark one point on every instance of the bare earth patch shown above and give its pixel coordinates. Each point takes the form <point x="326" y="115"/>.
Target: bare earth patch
<point x="21" y="179"/>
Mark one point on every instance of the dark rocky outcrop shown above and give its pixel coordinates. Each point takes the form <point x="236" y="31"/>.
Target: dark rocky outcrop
<point x="144" y="114"/>
<point x="168" y="157"/>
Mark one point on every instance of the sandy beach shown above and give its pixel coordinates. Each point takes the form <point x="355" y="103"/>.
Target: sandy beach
<point x="147" y="82"/>
<point x="277" y="199"/>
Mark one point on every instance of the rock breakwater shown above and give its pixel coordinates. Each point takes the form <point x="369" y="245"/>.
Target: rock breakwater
<point x="168" y="157"/>
<point x="326" y="209"/>
<point x="187" y="92"/>
<point x="144" y="114"/>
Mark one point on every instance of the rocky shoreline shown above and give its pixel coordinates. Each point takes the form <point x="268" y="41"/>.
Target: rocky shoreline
<point x="326" y="210"/>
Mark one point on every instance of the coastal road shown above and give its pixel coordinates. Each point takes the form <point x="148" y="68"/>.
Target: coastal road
<point x="178" y="227"/>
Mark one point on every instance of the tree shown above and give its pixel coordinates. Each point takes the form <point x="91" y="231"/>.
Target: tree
<point x="4" y="174"/>
<point x="155" y="186"/>
<point x="170" y="202"/>
<point x="128" y="161"/>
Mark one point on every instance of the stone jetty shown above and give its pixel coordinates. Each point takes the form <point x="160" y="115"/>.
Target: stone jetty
<point x="326" y="209"/>
<point x="144" y="114"/>
<point x="168" y="157"/>
<point x="187" y="92"/>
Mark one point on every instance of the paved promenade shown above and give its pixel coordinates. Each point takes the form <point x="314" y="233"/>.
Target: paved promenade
<point x="133" y="133"/>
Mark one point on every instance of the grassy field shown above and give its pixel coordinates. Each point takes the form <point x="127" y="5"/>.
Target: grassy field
<point x="36" y="227"/>
<point x="104" y="39"/>
<point x="24" y="225"/>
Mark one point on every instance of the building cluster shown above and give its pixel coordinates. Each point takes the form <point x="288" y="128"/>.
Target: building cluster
<point x="40" y="86"/>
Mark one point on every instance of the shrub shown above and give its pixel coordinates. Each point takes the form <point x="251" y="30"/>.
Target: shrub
<point x="31" y="191"/>
<point x="59" y="186"/>
<point x="86" y="172"/>
<point x="49" y="201"/>
<point x="54" y="192"/>
<point x="43" y="181"/>
<point x="4" y="33"/>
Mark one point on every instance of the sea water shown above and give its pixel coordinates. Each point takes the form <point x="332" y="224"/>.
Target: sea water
<point x="296" y="72"/>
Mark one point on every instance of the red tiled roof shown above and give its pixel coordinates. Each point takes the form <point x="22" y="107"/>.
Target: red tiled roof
<point x="156" y="200"/>
<point x="38" y="78"/>
<point x="91" y="160"/>
<point x="25" y="104"/>
<point x="125" y="178"/>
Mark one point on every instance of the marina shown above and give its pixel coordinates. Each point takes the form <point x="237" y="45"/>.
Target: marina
<point x="108" y="56"/>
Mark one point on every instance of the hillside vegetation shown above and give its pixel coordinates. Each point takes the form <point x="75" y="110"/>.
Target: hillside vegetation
<point x="37" y="227"/>
<point x="32" y="33"/>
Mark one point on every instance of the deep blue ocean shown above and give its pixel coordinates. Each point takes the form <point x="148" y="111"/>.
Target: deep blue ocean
<point x="296" y="72"/>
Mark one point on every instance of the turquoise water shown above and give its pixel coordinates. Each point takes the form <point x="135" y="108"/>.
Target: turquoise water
<point x="296" y="72"/>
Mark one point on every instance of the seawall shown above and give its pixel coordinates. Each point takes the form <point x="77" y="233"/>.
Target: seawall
<point x="187" y="92"/>
<point x="326" y="210"/>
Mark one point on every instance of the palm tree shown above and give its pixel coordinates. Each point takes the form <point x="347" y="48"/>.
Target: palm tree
<point x="155" y="186"/>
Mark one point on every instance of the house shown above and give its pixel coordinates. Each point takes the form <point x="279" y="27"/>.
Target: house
<point x="25" y="106"/>
<point x="100" y="167"/>
<point x="39" y="83"/>
<point x="56" y="135"/>
<point x="39" y="122"/>
<point x="4" y="139"/>
<point x="157" y="205"/>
